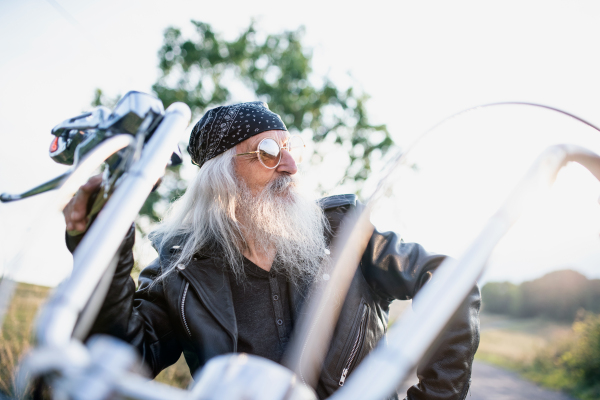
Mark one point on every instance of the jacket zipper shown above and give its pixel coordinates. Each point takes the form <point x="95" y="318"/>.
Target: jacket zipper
<point x="355" y="347"/>
<point x="185" y="290"/>
<point x="199" y="294"/>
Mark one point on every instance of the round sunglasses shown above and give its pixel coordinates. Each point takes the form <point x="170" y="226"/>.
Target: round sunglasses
<point x="269" y="151"/>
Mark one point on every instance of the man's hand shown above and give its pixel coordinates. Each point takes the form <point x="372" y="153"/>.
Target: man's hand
<point x="76" y="210"/>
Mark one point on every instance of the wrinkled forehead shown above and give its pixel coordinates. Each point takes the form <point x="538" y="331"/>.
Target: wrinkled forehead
<point x="252" y="142"/>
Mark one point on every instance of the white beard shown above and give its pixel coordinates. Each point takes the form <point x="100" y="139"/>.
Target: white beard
<point x="280" y="218"/>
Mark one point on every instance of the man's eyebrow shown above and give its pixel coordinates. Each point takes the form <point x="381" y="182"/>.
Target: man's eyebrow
<point x="254" y="141"/>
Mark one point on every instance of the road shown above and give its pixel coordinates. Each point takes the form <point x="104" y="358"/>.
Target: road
<point x="493" y="383"/>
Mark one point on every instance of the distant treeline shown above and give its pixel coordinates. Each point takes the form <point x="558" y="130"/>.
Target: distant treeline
<point x="557" y="295"/>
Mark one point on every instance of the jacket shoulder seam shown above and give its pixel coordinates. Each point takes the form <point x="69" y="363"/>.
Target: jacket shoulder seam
<point x="339" y="200"/>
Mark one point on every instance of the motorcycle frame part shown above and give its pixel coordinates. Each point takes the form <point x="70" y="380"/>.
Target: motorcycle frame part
<point x="93" y="256"/>
<point x="135" y="112"/>
<point x="244" y="376"/>
<point x="71" y="133"/>
<point x="85" y="121"/>
<point x="129" y="113"/>
<point x="66" y="152"/>
<point x="409" y="339"/>
<point x="72" y="181"/>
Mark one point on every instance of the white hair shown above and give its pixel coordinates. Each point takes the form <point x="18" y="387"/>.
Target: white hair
<point x="205" y="220"/>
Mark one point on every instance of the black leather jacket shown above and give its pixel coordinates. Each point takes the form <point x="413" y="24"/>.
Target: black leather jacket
<point x="192" y="312"/>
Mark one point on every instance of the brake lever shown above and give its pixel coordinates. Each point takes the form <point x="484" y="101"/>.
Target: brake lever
<point x="44" y="187"/>
<point x="54" y="183"/>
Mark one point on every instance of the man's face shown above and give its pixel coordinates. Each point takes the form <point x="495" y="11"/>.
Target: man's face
<point x="249" y="169"/>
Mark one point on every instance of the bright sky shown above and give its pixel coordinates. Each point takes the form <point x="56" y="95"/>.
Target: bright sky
<point x="419" y="61"/>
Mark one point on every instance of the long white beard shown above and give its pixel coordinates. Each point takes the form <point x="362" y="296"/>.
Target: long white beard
<point x="280" y="218"/>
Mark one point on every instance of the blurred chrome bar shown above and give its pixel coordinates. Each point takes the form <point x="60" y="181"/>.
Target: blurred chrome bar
<point x="132" y="386"/>
<point x="226" y="377"/>
<point x="385" y="368"/>
<point x="310" y="343"/>
<point x="96" y="250"/>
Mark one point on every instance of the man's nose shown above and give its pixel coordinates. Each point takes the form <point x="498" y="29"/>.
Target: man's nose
<point x="287" y="163"/>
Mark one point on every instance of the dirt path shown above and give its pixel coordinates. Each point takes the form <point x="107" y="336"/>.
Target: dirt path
<point x="493" y="383"/>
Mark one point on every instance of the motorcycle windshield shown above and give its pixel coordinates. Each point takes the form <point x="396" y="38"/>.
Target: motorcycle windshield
<point x="457" y="175"/>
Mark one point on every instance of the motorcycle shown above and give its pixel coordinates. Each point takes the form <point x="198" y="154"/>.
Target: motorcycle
<point x="447" y="191"/>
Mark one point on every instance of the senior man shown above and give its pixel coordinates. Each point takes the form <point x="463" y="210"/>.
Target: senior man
<point x="239" y="251"/>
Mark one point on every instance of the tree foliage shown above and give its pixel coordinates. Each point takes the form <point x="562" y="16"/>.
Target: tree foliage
<point x="100" y="99"/>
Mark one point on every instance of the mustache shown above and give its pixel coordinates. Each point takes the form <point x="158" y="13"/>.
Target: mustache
<point x="281" y="183"/>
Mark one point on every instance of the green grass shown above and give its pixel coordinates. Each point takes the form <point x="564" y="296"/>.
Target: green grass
<point x="511" y="343"/>
<point x="16" y="331"/>
<point x="177" y="375"/>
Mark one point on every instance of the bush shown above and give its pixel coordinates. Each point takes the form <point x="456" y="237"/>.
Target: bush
<point x="572" y="365"/>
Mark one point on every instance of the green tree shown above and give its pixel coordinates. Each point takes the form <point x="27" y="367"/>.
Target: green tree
<point x="499" y="297"/>
<point x="558" y="295"/>
<point x="100" y="99"/>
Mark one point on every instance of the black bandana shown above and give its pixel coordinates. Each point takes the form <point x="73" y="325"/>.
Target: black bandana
<point x="223" y="127"/>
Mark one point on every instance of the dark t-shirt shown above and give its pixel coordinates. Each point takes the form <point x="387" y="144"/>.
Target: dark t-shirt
<point x="262" y="311"/>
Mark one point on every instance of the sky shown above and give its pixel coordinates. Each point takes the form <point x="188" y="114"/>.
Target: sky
<point x="419" y="61"/>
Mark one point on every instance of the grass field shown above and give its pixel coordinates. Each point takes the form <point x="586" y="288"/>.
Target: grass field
<point x="512" y="343"/>
<point x="16" y="331"/>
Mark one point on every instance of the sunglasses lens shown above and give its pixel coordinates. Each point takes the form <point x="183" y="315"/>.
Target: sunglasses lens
<point x="268" y="152"/>
<point x="296" y="147"/>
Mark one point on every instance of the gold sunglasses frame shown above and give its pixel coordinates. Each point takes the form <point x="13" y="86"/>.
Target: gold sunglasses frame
<point x="278" y="145"/>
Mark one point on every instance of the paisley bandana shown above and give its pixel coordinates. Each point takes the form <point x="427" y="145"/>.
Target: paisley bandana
<point x="223" y="127"/>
